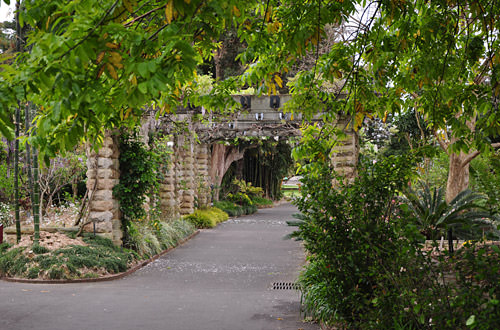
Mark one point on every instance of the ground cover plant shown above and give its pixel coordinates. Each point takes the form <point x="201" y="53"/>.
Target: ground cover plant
<point x="92" y="257"/>
<point x="149" y="238"/>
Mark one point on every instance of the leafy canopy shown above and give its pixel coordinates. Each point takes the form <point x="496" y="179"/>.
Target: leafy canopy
<point x="95" y="64"/>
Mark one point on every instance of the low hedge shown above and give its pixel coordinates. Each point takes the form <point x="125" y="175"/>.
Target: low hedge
<point x="207" y="218"/>
<point x="235" y="210"/>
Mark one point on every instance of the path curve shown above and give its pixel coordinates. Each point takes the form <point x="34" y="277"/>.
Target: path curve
<point x="220" y="280"/>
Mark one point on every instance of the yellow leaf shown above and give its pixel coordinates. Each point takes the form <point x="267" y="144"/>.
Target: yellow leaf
<point x="236" y="11"/>
<point x="187" y="1"/>
<point x="169" y="11"/>
<point x="272" y="89"/>
<point x="112" y="71"/>
<point x="278" y="81"/>
<point x="358" y="121"/>
<point x="133" y="80"/>
<point x="100" y="57"/>
<point x="121" y="114"/>
<point x="127" y="113"/>
<point x="115" y="58"/>
<point x="99" y="73"/>
<point x="112" y="45"/>
<point x="385" y="117"/>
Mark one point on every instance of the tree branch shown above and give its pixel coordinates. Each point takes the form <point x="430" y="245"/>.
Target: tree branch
<point x="476" y="153"/>
<point x="442" y="143"/>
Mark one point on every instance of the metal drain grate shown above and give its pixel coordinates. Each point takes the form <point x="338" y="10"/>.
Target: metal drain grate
<point x="285" y="286"/>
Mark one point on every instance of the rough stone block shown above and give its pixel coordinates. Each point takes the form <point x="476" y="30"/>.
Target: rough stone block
<point x="105" y="152"/>
<point x="105" y="163"/>
<point x="103" y="227"/>
<point x="116" y="224"/>
<point x="102" y="206"/>
<point x="103" y="195"/>
<point x="91" y="173"/>
<point x="107" y="184"/>
<point x="105" y="216"/>
<point x="188" y="199"/>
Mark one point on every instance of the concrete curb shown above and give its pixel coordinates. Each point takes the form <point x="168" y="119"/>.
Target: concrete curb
<point x="103" y="278"/>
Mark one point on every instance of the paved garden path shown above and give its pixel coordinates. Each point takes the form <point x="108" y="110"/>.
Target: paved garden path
<point x="220" y="280"/>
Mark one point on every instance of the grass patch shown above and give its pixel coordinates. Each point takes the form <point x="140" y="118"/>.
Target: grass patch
<point x="152" y="237"/>
<point x="262" y="201"/>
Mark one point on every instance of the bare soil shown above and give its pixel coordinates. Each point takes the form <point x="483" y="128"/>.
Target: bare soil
<point x="51" y="241"/>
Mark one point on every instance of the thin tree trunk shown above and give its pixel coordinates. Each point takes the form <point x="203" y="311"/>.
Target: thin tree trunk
<point x="36" y="199"/>
<point x="16" y="145"/>
<point x="27" y="118"/>
<point x="16" y="175"/>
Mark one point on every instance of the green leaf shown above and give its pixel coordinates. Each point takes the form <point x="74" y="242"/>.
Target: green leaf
<point x="143" y="69"/>
<point x="471" y="320"/>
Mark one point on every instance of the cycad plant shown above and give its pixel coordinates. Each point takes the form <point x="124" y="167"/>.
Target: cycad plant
<point x="465" y="213"/>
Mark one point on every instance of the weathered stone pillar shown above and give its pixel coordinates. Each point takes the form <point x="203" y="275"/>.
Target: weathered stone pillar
<point x="345" y="157"/>
<point x="186" y="185"/>
<point x="203" y="190"/>
<point x="102" y="175"/>
<point x="168" y="204"/>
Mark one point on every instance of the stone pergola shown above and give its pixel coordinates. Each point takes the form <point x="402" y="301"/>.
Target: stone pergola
<point x="187" y="182"/>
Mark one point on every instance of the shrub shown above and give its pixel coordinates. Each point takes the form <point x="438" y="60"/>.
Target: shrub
<point x="207" y="218"/>
<point x="367" y="268"/>
<point x="261" y="201"/>
<point x="352" y="233"/>
<point x="464" y="213"/>
<point x="235" y="210"/>
<point x="150" y="238"/>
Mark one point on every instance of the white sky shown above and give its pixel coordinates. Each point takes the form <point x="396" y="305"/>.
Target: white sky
<point x="5" y="10"/>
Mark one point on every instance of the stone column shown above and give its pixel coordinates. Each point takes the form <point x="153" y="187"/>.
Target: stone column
<point x="203" y="191"/>
<point x="345" y="157"/>
<point x="102" y="175"/>
<point x="168" y="204"/>
<point x="186" y="185"/>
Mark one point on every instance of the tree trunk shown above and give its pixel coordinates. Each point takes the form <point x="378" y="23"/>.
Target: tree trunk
<point x="16" y="175"/>
<point x="36" y="199"/>
<point x="458" y="176"/>
<point x="222" y="158"/>
<point x="27" y="122"/>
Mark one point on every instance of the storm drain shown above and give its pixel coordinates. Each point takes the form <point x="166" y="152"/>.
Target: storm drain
<point x="285" y="286"/>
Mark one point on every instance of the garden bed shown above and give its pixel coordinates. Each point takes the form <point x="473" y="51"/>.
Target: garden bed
<point x="60" y="258"/>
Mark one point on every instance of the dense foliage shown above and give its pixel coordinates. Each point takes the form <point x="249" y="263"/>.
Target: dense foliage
<point x="368" y="265"/>
<point x="138" y="169"/>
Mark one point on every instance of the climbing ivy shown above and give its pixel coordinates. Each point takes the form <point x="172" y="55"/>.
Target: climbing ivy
<point x="138" y="176"/>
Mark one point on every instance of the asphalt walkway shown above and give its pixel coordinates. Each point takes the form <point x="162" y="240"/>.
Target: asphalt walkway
<point x="222" y="279"/>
